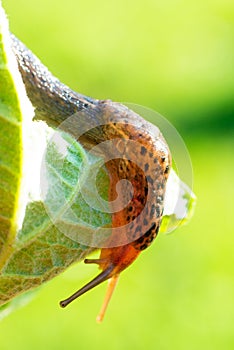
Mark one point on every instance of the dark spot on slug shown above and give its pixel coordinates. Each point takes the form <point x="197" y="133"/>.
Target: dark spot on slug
<point x="167" y="169"/>
<point x="149" y="179"/>
<point x="158" y="211"/>
<point x="150" y="239"/>
<point x="160" y="185"/>
<point x="148" y="233"/>
<point x="159" y="199"/>
<point x="138" y="228"/>
<point x="143" y="150"/>
<point x="146" y="210"/>
<point x="146" y="190"/>
<point x="152" y="210"/>
<point x="146" y="167"/>
<point x="140" y="240"/>
<point x="144" y="241"/>
<point x="145" y="222"/>
<point x="144" y="246"/>
<point x="158" y="169"/>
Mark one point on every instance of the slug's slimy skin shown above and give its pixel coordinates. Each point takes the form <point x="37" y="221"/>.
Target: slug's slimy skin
<point x="148" y="178"/>
<point x="139" y="154"/>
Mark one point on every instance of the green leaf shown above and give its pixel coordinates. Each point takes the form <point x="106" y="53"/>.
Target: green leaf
<point x="33" y="248"/>
<point x="11" y="157"/>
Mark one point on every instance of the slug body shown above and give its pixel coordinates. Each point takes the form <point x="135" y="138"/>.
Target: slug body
<point x="139" y="155"/>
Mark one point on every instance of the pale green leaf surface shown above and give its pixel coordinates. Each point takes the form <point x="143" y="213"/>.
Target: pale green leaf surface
<point x="10" y="147"/>
<point x="36" y="250"/>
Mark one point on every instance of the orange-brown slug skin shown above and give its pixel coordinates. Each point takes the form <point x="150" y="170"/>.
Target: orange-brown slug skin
<point x="139" y="154"/>
<point x="145" y="163"/>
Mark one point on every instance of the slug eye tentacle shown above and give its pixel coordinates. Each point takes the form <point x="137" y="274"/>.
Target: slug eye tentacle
<point x="103" y="276"/>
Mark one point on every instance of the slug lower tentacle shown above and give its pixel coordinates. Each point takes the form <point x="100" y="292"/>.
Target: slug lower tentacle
<point x="139" y="154"/>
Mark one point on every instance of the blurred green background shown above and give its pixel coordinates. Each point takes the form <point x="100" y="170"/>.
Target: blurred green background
<point x="175" y="57"/>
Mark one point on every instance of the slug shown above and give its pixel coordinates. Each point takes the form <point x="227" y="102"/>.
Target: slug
<point x="143" y="159"/>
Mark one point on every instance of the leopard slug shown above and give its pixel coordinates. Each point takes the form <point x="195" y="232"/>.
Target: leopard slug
<point x="143" y="159"/>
